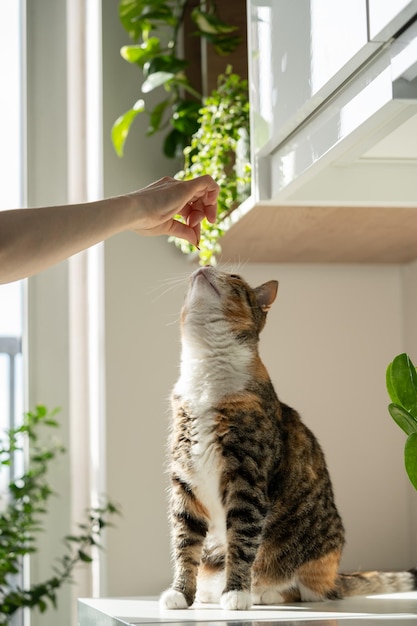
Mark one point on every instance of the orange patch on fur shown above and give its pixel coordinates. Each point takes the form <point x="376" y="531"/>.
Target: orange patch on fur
<point x="195" y="507"/>
<point x="208" y="568"/>
<point x="320" y="575"/>
<point x="198" y="509"/>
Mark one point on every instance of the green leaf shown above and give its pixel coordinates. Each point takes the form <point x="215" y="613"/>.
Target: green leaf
<point x="390" y="386"/>
<point x="174" y="144"/>
<point x="402" y="383"/>
<point x="121" y="127"/>
<point x="223" y="45"/>
<point x="165" y="63"/>
<point x="185" y="117"/>
<point x="156" y="116"/>
<point x="410" y="458"/>
<point x="403" y="418"/>
<point x="156" y="80"/>
<point x="209" y="23"/>
<point x="143" y="53"/>
<point x="83" y="556"/>
<point x="140" y="16"/>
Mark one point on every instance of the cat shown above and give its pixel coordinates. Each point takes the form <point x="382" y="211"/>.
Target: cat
<point x="252" y="510"/>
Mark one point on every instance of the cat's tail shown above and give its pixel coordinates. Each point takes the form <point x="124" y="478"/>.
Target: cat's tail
<point x="369" y="583"/>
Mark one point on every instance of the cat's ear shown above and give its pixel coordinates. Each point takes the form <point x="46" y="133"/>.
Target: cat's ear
<point x="266" y="294"/>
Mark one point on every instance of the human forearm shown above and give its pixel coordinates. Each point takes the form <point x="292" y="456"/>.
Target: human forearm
<point x="33" y="239"/>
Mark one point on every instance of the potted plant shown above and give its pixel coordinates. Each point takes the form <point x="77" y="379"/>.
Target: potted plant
<point x="156" y="28"/>
<point x="22" y="505"/>
<point x="401" y="381"/>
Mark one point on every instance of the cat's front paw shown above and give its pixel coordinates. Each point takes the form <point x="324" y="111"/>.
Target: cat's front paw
<point x="172" y="599"/>
<point x="236" y="600"/>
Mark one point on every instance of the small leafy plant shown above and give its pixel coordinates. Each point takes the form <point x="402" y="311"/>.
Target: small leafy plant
<point x="22" y="505"/>
<point x="156" y="28"/>
<point x="220" y="147"/>
<point x="401" y="381"/>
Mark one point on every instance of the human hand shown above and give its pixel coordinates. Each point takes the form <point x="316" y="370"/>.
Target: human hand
<point x="162" y="200"/>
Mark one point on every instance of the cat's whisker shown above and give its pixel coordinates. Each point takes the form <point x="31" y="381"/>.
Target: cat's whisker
<point x="174" y="322"/>
<point x="166" y="285"/>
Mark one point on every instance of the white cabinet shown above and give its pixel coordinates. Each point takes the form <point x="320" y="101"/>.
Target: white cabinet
<point x="333" y="88"/>
<point x="387" y="17"/>
<point x="299" y="53"/>
<point x="323" y="74"/>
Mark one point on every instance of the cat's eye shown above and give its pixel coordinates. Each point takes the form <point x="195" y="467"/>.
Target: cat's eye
<point x="236" y="276"/>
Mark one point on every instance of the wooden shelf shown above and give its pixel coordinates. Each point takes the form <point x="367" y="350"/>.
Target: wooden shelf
<point x="323" y="234"/>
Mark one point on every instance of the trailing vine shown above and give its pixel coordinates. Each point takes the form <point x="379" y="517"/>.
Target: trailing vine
<point x="220" y="147"/>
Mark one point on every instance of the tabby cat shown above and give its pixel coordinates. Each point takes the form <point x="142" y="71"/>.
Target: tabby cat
<point x="253" y="516"/>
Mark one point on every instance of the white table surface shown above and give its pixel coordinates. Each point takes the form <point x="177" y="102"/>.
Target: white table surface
<point x="384" y="610"/>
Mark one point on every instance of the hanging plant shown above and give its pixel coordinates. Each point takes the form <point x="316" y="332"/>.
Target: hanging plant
<point x="155" y="26"/>
<point x="220" y="147"/>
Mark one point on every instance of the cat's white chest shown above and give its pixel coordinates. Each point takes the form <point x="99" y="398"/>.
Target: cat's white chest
<point x="207" y="378"/>
<point x="210" y="371"/>
<point x="206" y="463"/>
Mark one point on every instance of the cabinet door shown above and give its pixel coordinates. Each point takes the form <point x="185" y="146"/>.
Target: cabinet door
<point x="300" y="52"/>
<point x="387" y="17"/>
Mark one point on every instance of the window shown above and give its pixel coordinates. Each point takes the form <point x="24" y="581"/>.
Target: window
<point x="11" y="196"/>
<point x="12" y="186"/>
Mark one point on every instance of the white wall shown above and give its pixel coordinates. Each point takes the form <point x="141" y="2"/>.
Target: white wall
<point x="328" y="340"/>
<point x="140" y="344"/>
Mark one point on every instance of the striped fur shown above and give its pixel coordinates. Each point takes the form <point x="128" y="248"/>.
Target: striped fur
<point x="252" y="510"/>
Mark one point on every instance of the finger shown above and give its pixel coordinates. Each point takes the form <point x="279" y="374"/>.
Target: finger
<point x="197" y="230"/>
<point x="195" y="211"/>
<point x="184" y="231"/>
<point x="195" y="216"/>
<point x="206" y="191"/>
<point x="211" y="210"/>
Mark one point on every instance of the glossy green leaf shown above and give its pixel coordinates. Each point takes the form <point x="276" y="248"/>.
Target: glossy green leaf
<point x="156" y="116"/>
<point x="390" y="386"/>
<point x="209" y="23"/>
<point x="140" y="16"/>
<point x="410" y="458"/>
<point x="156" y="80"/>
<point x="404" y="420"/>
<point x="402" y="383"/>
<point x="164" y="63"/>
<point x="121" y="127"/>
<point x="174" y="144"/>
<point x="141" y="54"/>
<point x="185" y="117"/>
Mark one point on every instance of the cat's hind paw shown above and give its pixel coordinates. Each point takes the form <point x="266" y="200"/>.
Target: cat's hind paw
<point x="267" y="595"/>
<point x="236" y="600"/>
<point x="172" y="599"/>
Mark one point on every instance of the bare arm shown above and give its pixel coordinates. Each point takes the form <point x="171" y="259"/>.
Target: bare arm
<point x="33" y="239"/>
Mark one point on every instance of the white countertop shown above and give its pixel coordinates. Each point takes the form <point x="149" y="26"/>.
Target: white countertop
<point x="383" y="610"/>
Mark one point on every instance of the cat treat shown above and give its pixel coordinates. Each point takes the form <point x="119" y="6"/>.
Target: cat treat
<point x="252" y="511"/>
